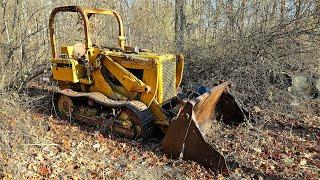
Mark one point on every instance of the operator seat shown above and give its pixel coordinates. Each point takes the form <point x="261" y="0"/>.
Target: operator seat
<point x="79" y="51"/>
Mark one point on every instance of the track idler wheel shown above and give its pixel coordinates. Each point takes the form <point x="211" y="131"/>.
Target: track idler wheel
<point x="65" y="105"/>
<point x="120" y="121"/>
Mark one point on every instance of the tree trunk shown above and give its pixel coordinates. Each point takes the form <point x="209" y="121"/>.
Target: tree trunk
<point x="316" y="13"/>
<point x="243" y="13"/>
<point x="180" y="23"/>
<point x="282" y="10"/>
<point x="217" y="18"/>
<point x="255" y="9"/>
<point x="229" y="8"/>
<point x="298" y="9"/>
<point x="273" y="11"/>
<point x="317" y="9"/>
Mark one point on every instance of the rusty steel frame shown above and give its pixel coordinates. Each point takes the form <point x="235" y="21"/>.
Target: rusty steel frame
<point x="85" y="13"/>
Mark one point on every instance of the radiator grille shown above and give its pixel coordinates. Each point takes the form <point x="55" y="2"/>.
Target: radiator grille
<point x="169" y="79"/>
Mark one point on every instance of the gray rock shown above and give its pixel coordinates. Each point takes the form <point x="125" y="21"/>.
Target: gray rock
<point x="302" y="87"/>
<point x="318" y="87"/>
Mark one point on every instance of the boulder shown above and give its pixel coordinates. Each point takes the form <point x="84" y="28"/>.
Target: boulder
<point x="318" y="87"/>
<point x="302" y="87"/>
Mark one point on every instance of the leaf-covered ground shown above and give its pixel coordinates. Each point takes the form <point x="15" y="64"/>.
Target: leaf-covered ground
<point x="271" y="150"/>
<point x="34" y="144"/>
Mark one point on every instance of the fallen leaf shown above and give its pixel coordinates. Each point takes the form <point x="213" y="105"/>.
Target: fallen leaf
<point x="288" y="161"/>
<point x="257" y="109"/>
<point x="44" y="171"/>
<point x="39" y="157"/>
<point x="258" y="150"/>
<point x="303" y="162"/>
<point x="96" y="146"/>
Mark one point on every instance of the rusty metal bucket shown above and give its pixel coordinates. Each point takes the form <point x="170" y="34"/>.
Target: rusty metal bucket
<point x="184" y="137"/>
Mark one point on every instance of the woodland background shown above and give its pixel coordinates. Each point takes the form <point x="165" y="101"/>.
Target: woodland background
<point x="269" y="49"/>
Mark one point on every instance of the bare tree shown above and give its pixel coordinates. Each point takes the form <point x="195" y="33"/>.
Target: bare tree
<point x="283" y="8"/>
<point x="243" y="12"/>
<point x="298" y="4"/>
<point x="230" y="15"/>
<point x="180" y="23"/>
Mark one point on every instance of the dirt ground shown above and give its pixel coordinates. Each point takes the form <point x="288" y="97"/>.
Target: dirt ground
<point x="36" y="144"/>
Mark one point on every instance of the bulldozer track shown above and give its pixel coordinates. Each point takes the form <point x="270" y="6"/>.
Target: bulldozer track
<point x="141" y="110"/>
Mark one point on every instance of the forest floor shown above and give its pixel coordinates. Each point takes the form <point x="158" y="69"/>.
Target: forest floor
<point x="36" y="144"/>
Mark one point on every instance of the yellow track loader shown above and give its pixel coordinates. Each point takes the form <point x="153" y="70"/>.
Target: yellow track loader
<point x="132" y="92"/>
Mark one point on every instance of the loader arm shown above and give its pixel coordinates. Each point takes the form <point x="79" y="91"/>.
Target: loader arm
<point x="133" y="84"/>
<point x="125" y="77"/>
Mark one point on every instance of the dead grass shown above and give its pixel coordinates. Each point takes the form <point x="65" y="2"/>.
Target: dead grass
<point x="271" y="150"/>
<point x="20" y="132"/>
